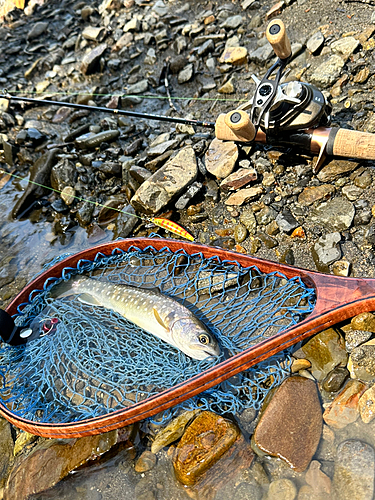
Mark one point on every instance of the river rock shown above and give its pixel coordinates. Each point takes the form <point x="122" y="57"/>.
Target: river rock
<point x="326" y="251"/>
<point x="247" y="218"/>
<point x="366" y="405"/>
<point x="38" y="29"/>
<point x="186" y="74"/>
<point x="173" y="430"/>
<point x="23" y="439"/>
<point x="311" y="194"/>
<point x="91" y="61"/>
<point x="291" y="424"/>
<point x="51" y="460"/>
<point x="286" y="221"/>
<point x="335" y="169"/>
<point x="282" y="489"/>
<point x="325" y="351"/>
<point x="234" y="55"/>
<point x="145" y="462"/>
<point x="239" y="179"/>
<point x="335" y="379"/>
<point x="364" y="321"/>
<point x="353" y="477"/>
<point x="125" y="222"/>
<point x="161" y="147"/>
<point x="354" y="338"/>
<point x="221" y="157"/>
<point x="317" y="480"/>
<point x="315" y="42"/>
<point x="167" y="183"/>
<point x="244" y="195"/>
<point x="325" y="74"/>
<point x="232" y="22"/>
<point x="341" y="268"/>
<point x="344" y="408"/>
<point x="206" y="439"/>
<point x="262" y="54"/>
<point x="6" y="450"/>
<point x="335" y="215"/>
<point x="188" y="196"/>
<point x="345" y="46"/>
<point x="361" y="362"/>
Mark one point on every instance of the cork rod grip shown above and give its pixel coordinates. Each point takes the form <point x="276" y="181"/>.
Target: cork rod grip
<point x="276" y="35"/>
<point x="351" y="144"/>
<point x="235" y="126"/>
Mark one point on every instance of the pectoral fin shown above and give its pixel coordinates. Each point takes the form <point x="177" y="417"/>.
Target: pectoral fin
<point x="85" y="298"/>
<point x="158" y="319"/>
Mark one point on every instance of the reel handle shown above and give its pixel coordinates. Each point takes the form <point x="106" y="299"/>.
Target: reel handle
<point x="278" y="38"/>
<point x="235" y="126"/>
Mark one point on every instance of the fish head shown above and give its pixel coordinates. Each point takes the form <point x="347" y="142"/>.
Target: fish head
<point x="193" y="339"/>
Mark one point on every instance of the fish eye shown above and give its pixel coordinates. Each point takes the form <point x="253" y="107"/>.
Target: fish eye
<point x="204" y="339"/>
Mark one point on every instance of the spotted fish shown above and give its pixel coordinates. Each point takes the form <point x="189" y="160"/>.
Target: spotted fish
<point x="149" y="309"/>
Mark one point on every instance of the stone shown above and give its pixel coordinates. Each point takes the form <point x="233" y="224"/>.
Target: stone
<point x="227" y="87"/>
<point x="221" y="158"/>
<point x="300" y="364"/>
<point x="188" y="196"/>
<point x="291" y="423"/>
<point x="344" y="408"/>
<point x="335" y="169"/>
<point x="282" y="489"/>
<point x="160" y="8"/>
<point x="239" y="179"/>
<point x="335" y="379"/>
<point x="354" y="338"/>
<point x="138" y="88"/>
<point x="262" y="54"/>
<point x="125" y="222"/>
<point x="334" y="215"/>
<point x="68" y="195"/>
<point x="38" y="29"/>
<point x="268" y="240"/>
<point x="364" y="321"/>
<point x="247" y="218"/>
<point x="204" y="442"/>
<point x="186" y="74"/>
<point x="362" y="75"/>
<point x="353" y="477"/>
<point x="361" y="362"/>
<point x="91" y="61"/>
<point x="6" y="450"/>
<point x="240" y="233"/>
<point x="352" y="192"/>
<point x="325" y="74"/>
<point x="132" y="25"/>
<point x="315" y="42"/>
<point x="232" y="22"/>
<point x="315" y="193"/>
<point x="51" y="460"/>
<point x="317" y="480"/>
<point x="244" y="195"/>
<point x="94" y="33"/>
<point x="172" y="431"/>
<point x="234" y="55"/>
<point x="161" y="148"/>
<point x="145" y="462"/>
<point x="341" y="268"/>
<point x="286" y="221"/>
<point x="23" y="439"/>
<point x="345" y="46"/>
<point x="265" y="216"/>
<point x="326" y="250"/>
<point x="325" y="351"/>
<point x="366" y="405"/>
<point x="166" y="183"/>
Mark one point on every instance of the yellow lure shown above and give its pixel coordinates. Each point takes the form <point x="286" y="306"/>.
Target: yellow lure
<point x="172" y="227"/>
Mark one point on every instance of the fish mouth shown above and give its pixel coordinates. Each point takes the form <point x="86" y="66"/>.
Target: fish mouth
<point x="211" y="355"/>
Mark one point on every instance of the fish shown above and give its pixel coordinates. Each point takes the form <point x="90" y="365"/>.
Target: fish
<point x="149" y="309"/>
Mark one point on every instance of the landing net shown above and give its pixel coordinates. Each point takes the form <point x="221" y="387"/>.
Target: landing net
<point x="97" y="362"/>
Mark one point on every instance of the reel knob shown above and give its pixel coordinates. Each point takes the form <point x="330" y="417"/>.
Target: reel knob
<point x="277" y="37"/>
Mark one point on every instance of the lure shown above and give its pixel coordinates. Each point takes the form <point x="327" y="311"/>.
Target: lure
<point x="172" y="227"/>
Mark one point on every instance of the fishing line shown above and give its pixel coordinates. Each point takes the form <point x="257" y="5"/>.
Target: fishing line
<point x="166" y="224"/>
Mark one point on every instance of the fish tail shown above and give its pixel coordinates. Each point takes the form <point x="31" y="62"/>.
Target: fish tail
<point x="66" y="288"/>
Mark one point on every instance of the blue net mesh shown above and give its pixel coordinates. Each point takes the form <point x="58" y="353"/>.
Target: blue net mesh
<point x="96" y="362"/>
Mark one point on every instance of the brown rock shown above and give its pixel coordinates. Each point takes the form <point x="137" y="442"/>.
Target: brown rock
<point x="361" y="362"/>
<point x="221" y="158"/>
<point x="364" y="321"/>
<point x="145" y="462"/>
<point x="51" y="460"/>
<point x="239" y="179"/>
<point x="6" y="450"/>
<point x="319" y="482"/>
<point x="234" y="55"/>
<point x="366" y="405"/>
<point x="335" y="169"/>
<point x="315" y="193"/>
<point x="91" y="61"/>
<point x="173" y="430"/>
<point x="300" y="364"/>
<point x="203" y="443"/>
<point x="291" y="425"/>
<point x="244" y="195"/>
<point x="344" y="408"/>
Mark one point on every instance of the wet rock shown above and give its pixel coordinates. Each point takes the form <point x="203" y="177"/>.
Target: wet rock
<point x="188" y="196"/>
<point x="203" y="443"/>
<point x="335" y="215"/>
<point x="315" y="42"/>
<point x="354" y="471"/>
<point x="62" y="174"/>
<point x="325" y="351"/>
<point x="145" y="462"/>
<point x="40" y="173"/>
<point x="111" y="209"/>
<point x="286" y="221"/>
<point x="282" y="489"/>
<point x="341" y="268"/>
<point x="239" y="179"/>
<point x="244" y="195"/>
<point x="315" y="193"/>
<point x="85" y="212"/>
<point x="125" y="222"/>
<point x="92" y="141"/>
<point x="326" y="251"/>
<point x="167" y="183"/>
<point x="335" y="169"/>
<point x="354" y="338"/>
<point x="68" y="195"/>
<point x="138" y="88"/>
<point x="234" y="55"/>
<point x="366" y="405"/>
<point x="344" y="408"/>
<point x="319" y="482"/>
<point x="161" y="148"/>
<point x="352" y="192"/>
<point x="325" y="74"/>
<point x="6" y="450"/>
<point x="361" y="363"/>
<point x="38" y="29"/>
<point x="269" y="241"/>
<point x="140" y="174"/>
<point x="248" y="220"/>
<point x="23" y="439"/>
<point x="364" y="321"/>
<point x="51" y="460"/>
<point x="300" y="364"/>
<point x="212" y="193"/>
<point x="173" y="431"/>
<point x="91" y="61"/>
<point x="335" y="379"/>
<point x="186" y="74"/>
<point x="291" y="424"/>
<point x="221" y="157"/>
<point x="345" y="46"/>
<point x="240" y="233"/>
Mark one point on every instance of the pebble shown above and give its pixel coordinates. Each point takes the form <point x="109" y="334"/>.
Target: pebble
<point x="326" y="250"/>
<point x="336" y="169"/>
<point x="361" y="362"/>
<point x="345" y="46"/>
<point x="335" y="215"/>
<point x="325" y="74"/>
<point x="300" y="364"/>
<point x="145" y="462"/>
<point x="364" y="321"/>
<point x="353" y="477"/>
<point x="38" y="29"/>
<point x="221" y="158"/>
<point x="341" y="268"/>
<point x="317" y="480"/>
<point x="315" y="193"/>
<point x="354" y="338"/>
<point x="138" y="88"/>
<point x="234" y="55"/>
<point x="247" y="218"/>
<point x="172" y="431"/>
<point x="335" y="379"/>
<point x="186" y="74"/>
<point x="366" y="405"/>
<point x="68" y="195"/>
<point x="286" y="221"/>
<point x="188" y="196"/>
<point x="292" y="415"/>
<point x="344" y="408"/>
<point x="91" y="61"/>
<point x="238" y="179"/>
<point x="240" y="233"/>
<point x="227" y="87"/>
<point x="315" y="42"/>
<point x="282" y="489"/>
